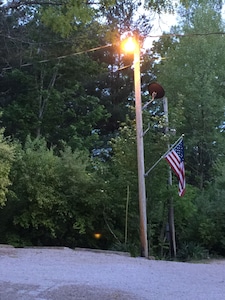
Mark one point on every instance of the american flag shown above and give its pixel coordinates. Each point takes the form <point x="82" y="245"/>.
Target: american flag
<point x="176" y="160"/>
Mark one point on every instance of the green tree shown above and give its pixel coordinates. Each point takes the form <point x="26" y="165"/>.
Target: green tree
<point x="194" y="89"/>
<point x="44" y="96"/>
<point x="193" y="59"/>
<point x="53" y="199"/>
<point x="6" y="160"/>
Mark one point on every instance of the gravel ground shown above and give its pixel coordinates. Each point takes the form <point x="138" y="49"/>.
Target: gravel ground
<point x="65" y="274"/>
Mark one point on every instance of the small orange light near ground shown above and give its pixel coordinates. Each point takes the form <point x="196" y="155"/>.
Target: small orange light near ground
<point x="129" y="44"/>
<point x="97" y="235"/>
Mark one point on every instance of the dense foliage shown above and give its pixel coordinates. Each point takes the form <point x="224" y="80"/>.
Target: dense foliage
<point x="68" y="140"/>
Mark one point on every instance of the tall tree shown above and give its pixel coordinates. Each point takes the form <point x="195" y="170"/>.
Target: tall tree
<point x="194" y="88"/>
<point x="44" y="87"/>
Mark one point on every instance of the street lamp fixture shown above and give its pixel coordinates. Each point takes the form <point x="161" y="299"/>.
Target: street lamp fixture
<point x="129" y="44"/>
<point x="132" y="45"/>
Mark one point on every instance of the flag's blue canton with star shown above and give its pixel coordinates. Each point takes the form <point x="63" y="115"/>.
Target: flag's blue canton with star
<point x="179" y="149"/>
<point x="176" y="160"/>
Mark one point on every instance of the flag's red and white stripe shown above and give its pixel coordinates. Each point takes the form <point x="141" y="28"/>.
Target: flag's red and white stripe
<point x="176" y="160"/>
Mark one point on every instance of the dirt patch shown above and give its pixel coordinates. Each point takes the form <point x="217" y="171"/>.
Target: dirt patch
<point x="9" y="291"/>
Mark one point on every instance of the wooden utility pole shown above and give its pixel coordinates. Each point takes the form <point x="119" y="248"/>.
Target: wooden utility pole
<point x="140" y="153"/>
<point x="132" y="45"/>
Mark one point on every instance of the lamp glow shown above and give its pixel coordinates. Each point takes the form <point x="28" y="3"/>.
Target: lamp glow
<point x="129" y="45"/>
<point x="97" y="235"/>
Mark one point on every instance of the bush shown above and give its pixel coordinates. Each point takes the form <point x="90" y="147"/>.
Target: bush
<point x="192" y="251"/>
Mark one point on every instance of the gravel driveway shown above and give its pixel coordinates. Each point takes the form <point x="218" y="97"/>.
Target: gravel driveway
<point x="65" y="274"/>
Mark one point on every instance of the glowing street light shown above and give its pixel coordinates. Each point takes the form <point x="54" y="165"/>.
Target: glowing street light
<point x="129" y="44"/>
<point x="132" y="45"/>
